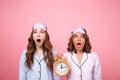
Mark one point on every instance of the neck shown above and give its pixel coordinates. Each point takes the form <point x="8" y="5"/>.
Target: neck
<point x="79" y="52"/>
<point x="39" y="50"/>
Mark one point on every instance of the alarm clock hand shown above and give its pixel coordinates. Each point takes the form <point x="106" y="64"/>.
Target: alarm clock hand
<point x="64" y="67"/>
<point x="61" y="66"/>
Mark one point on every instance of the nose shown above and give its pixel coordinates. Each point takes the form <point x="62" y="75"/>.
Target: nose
<point x="38" y="34"/>
<point x="79" y="39"/>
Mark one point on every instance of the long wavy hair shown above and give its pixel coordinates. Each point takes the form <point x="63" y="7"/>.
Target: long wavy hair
<point x="47" y="49"/>
<point x="87" y="46"/>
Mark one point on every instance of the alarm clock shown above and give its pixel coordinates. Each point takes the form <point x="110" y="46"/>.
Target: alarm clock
<point x="61" y="66"/>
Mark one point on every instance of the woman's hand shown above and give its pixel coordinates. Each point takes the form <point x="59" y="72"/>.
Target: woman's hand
<point x="58" y="56"/>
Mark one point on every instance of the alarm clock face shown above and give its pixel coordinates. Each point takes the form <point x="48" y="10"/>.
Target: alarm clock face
<point x="61" y="68"/>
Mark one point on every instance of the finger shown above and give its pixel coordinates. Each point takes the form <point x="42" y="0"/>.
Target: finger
<point x="60" y="55"/>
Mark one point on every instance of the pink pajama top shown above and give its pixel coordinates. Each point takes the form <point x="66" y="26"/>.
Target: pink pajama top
<point x="88" y="69"/>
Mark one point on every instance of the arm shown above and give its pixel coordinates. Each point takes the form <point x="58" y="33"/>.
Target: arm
<point x="22" y="67"/>
<point x="97" y="69"/>
<point x="56" y="77"/>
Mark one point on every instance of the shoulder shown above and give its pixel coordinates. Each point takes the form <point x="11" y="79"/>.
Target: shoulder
<point x="54" y="52"/>
<point x="23" y="55"/>
<point x="67" y="54"/>
<point x="93" y="54"/>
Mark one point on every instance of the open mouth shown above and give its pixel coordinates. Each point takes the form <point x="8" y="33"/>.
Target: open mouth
<point x="38" y="40"/>
<point x="78" y="44"/>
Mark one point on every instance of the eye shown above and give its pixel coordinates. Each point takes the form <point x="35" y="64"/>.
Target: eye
<point x="75" y="36"/>
<point x="34" y="31"/>
<point x="82" y="36"/>
<point x="42" y="31"/>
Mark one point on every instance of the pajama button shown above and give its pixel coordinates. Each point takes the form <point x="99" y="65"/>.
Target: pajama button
<point x="38" y="71"/>
<point x="80" y="75"/>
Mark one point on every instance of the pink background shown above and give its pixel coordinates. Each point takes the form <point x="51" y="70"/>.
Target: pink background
<point x="101" y="18"/>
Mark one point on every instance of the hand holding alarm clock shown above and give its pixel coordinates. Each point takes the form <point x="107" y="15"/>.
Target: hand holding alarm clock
<point x="61" y="67"/>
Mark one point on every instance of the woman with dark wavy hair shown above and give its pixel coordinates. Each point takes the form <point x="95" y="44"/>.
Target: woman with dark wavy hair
<point x="84" y="64"/>
<point x="36" y="61"/>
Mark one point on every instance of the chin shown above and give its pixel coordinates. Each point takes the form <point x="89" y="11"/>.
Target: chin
<point x="39" y="46"/>
<point x="79" y="49"/>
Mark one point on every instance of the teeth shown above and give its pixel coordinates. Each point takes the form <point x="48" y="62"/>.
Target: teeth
<point x="38" y="40"/>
